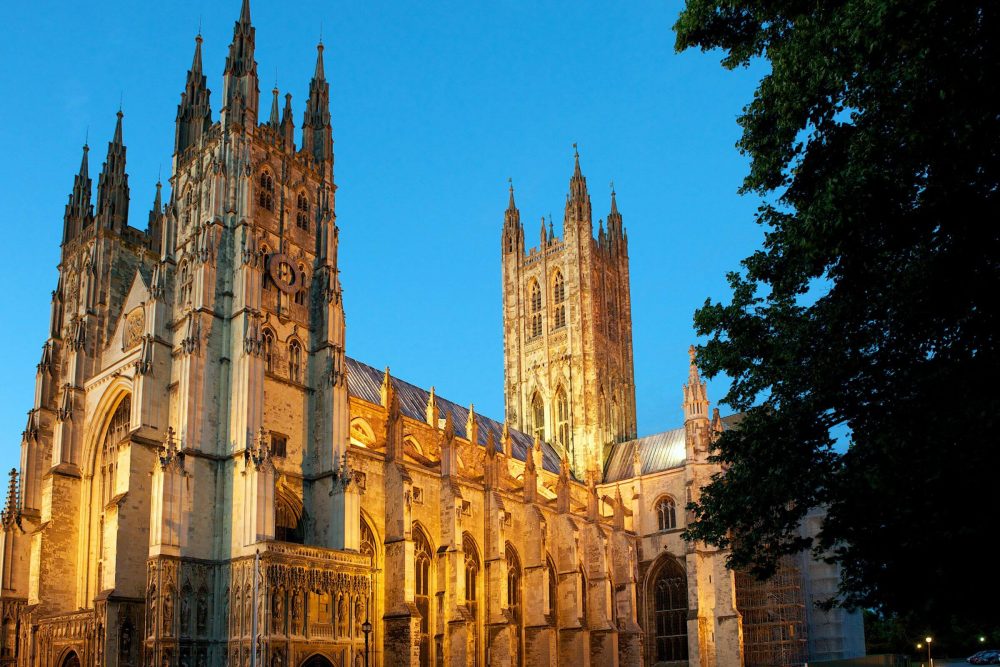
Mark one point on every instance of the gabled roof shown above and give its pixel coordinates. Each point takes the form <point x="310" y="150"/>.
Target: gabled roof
<point x="365" y="382"/>
<point x="657" y="452"/>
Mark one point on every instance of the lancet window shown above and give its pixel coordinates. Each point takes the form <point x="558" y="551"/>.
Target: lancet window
<point x="514" y="599"/>
<point x="265" y="197"/>
<point x="562" y="417"/>
<point x="538" y="416"/>
<point x="267" y="350"/>
<point x="302" y="211"/>
<point x="472" y="569"/>
<point x="535" y="322"/>
<point x="666" y="513"/>
<point x="295" y="361"/>
<point x="559" y="300"/>
<point x="422" y="561"/>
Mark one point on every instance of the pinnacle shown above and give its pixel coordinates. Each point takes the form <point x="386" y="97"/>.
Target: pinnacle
<point x="245" y="13"/>
<point x="196" y="63"/>
<point x="117" y="140"/>
<point x="319" y="73"/>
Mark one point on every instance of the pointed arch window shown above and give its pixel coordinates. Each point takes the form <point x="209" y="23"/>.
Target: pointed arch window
<point x="472" y="569"/>
<point x="295" y="361"/>
<point x="186" y="282"/>
<point x="562" y="417"/>
<point x="559" y="300"/>
<point x="538" y="416"/>
<point x="302" y="211"/>
<point x="288" y="519"/>
<point x="535" y="319"/>
<point x="267" y="350"/>
<point x="265" y="197"/>
<point x="666" y="513"/>
<point x="514" y="599"/>
<point x="669" y="611"/>
<point x="553" y="584"/>
<point x="105" y="478"/>
<point x="422" y="562"/>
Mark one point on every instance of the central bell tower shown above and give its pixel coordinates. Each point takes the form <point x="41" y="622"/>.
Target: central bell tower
<point x="568" y="372"/>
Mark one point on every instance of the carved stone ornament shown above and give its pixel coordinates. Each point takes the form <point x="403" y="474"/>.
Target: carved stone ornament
<point x="285" y="274"/>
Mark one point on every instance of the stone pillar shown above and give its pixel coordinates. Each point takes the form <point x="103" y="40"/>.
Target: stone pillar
<point x="574" y="637"/>
<point x="54" y="576"/>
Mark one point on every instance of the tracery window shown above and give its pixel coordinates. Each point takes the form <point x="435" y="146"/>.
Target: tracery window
<point x="670" y="611"/>
<point x="559" y="300"/>
<point x="186" y="281"/>
<point x="302" y="211"/>
<point x="538" y="416"/>
<point x="422" y="561"/>
<point x="666" y="513"/>
<point x="472" y="569"/>
<point x="295" y="361"/>
<point x="514" y="599"/>
<point x="535" y="321"/>
<point x="288" y="519"/>
<point x="105" y="478"/>
<point x="265" y="196"/>
<point x="267" y="350"/>
<point x="300" y="297"/>
<point x="562" y="417"/>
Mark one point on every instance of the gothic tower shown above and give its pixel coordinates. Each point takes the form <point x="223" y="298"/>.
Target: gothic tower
<point x="568" y="373"/>
<point x="196" y="366"/>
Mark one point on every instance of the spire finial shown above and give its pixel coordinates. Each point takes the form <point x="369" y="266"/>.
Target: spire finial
<point x="245" y="12"/>
<point x="612" y="187"/>
<point x="198" y="37"/>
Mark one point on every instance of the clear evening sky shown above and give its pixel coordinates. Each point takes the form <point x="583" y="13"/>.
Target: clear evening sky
<point x="434" y="106"/>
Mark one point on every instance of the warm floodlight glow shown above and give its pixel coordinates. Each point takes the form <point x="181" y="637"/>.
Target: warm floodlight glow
<point x="928" y="639"/>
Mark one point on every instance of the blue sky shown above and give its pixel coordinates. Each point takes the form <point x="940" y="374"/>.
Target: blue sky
<point x="434" y="106"/>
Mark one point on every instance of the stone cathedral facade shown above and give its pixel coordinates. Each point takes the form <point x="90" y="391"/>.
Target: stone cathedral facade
<point x="207" y="478"/>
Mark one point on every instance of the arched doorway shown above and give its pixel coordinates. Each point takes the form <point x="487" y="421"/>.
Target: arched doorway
<point x="317" y="661"/>
<point x="71" y="660"/>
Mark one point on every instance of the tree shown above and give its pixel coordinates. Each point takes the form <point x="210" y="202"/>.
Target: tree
<point x="872" y="308"/>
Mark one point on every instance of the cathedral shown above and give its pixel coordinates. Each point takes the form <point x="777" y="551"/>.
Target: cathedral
<point x="208" y="478"/>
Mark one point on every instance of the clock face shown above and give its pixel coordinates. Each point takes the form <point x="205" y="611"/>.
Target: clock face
<point x="284" y="274"/>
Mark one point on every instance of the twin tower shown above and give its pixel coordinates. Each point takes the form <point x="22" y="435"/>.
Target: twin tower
<point x="567" y="331"/>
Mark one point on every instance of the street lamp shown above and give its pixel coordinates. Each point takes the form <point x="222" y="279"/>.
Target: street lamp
<point x="366" y="628"/>
<point x="930" y="661"/>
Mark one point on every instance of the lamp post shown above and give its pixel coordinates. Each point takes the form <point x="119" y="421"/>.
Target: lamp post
<point x="366" y="628"/>
<point x="930" y="661"/>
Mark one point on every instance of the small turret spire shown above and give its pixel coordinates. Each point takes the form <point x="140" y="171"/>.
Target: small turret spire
<point x="78" y="209"/>
<point x="695" y="394"/>
<point x="513" y="234"/>
<point x="112" y="184"/>
<point x="317" y="134"/>
<point x="194" y="113"/>
<point x="274" y="121"/>
<point x="240" y="88"/>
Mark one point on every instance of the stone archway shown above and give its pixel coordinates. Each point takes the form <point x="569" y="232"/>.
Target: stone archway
<point x="317" y="661"/>
<point x="71" y="660"/>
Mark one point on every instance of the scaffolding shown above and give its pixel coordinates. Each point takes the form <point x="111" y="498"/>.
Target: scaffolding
<point x="774" y="618"/>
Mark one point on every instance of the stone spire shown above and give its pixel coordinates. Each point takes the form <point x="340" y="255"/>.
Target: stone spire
<point x="577" y="200"/>
<point x="287" y="124"/>
<point x="10" y="509"/>
<point x="317" y="135"/>
<point x="112" y="184"/>
<point x="695" y="395"/>
<point x="240" y="88"/>
<point x="194" y="113"/>
<point x="154" y="226"/>
<point x="274" y="121"/>
<point x="79" y="210"/>
<point x="513" y="232"/>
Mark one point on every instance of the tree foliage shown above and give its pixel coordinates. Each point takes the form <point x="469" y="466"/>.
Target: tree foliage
<point x="872" y="307"/>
